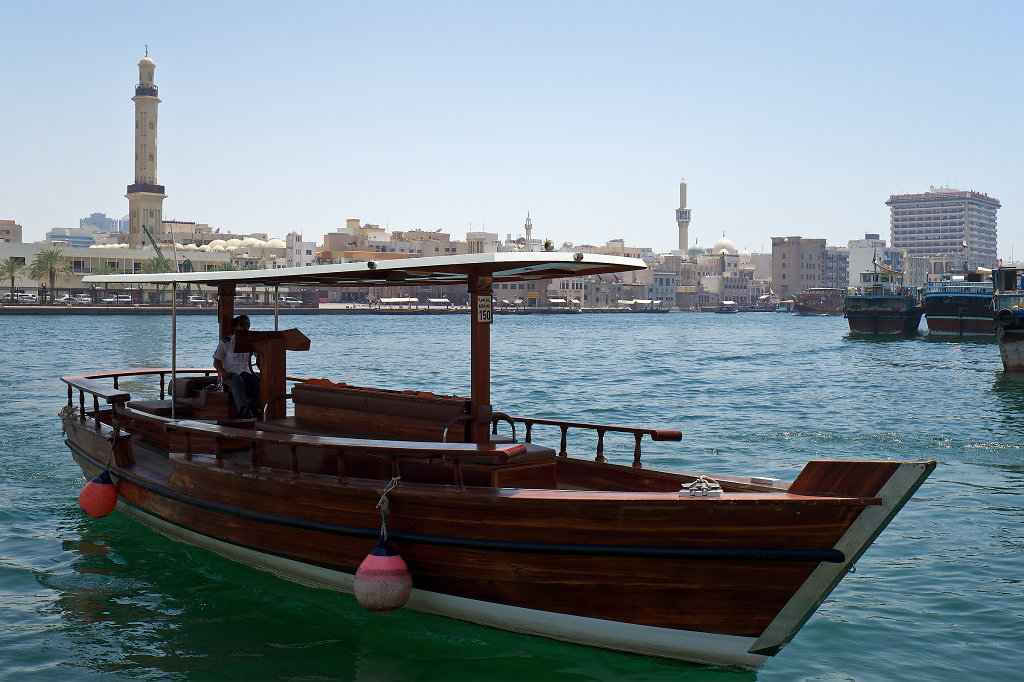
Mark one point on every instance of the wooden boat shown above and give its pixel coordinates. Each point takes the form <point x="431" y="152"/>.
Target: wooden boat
<point x="820" y="301"/>
<point x="1008" y="304"/>
<point x="727" y="307"/>
<point x="496" y="529"/>
<point x="881" y="305"/>
<point x="960" y="304"/>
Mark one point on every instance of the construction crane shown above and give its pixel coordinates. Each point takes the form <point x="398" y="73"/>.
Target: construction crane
<point x="186" y="265"/>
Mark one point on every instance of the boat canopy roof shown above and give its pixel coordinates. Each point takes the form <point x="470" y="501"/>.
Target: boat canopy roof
<point x="503" y="267"/>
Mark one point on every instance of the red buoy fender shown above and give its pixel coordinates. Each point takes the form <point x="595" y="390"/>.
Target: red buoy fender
<point x="99" y="496"/>
<point x="383" y="582"/>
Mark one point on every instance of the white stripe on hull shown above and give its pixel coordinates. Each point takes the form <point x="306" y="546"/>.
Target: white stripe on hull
<point x="685" y="645"/>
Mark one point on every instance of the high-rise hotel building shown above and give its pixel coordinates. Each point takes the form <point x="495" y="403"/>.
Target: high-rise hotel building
<point x="947" y="225"/>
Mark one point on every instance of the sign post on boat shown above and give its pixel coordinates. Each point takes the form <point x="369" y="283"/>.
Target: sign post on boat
<point x="481" y="291"/>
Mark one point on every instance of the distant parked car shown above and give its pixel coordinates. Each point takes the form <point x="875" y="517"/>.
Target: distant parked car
<point x="118" y="300"/>
<point x="199" y="300"/>
<point x="289" y="301"/>
<point x="7" y="297"/>
<point x="83" y="298"/>
<point x="27" y="298"/>
<point x="66" y="299"/>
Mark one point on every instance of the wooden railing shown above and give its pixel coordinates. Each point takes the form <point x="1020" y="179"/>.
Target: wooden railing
<point x="85" y="383"/>
<point x="600" y="429"/>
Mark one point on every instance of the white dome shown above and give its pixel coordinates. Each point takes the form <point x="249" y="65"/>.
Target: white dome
<point x="745" y="256"/>
<point x="178" y="247"/>
<point x="723" y="244"/>
<point x="191" y="247"/>
<point x="218" y="242"/>
<point x="204" y="247"/>
<point x="248" y="241"/>
<point x="122" y="246"/>
<point x="275" y="244"/>
<point x="695" y="250"/>
<point x="231" y="247"/>
<point x="234" y="242"/>
<point x="218" y="248"/>
<point x="260" y="244"/>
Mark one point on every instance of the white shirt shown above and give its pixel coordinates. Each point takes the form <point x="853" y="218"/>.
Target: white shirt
<point x="234" y="363"/>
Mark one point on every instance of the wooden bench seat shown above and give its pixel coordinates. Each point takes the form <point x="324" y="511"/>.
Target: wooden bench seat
<point x="393" y="415"/>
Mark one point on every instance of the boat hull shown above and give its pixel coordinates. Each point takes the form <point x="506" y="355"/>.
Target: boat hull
<point x="885" y="322"/>
<point x="959" y="315"/>
<point x="1011" y="346"/>
<point x="726" y="581"/>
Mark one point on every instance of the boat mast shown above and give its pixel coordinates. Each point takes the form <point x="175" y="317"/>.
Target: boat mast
<point x="481" y="291"/>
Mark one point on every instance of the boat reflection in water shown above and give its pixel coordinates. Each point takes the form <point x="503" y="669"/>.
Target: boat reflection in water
<point x="495" y="528"/>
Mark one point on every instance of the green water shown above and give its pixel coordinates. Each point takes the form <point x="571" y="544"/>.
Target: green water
<point x="937" y="597"/>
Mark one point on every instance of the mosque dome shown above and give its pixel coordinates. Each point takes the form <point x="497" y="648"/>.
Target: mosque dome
<point x="723" y="244"/>
<point x="178" y="247"/>
<point x="248" y="241"/>
<point x="275" y="244"/>
<point x="218" y="242"/>
<point x="233" y="242"/>
<point x="219" y="248"/>
<point x="695" y="250"/>
<point x="146" y="61"/>
<point x="204" y="247"/>
<point x="745" y="256"/>
<point x="191" y="247"/>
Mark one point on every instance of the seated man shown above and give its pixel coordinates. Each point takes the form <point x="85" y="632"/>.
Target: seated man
<point x="236" y="371"/>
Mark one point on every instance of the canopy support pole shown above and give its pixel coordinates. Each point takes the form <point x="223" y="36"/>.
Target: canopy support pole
<point x="225" y="308"/>
<point x="481" y="291"/>
<point x="174" y="346"/>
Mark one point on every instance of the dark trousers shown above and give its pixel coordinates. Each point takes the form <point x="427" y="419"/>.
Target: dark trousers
<point x="245" y="389"/>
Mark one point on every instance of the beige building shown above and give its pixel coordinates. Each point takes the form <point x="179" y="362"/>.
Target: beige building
<point x="798" y="263"/>
<point x="10" y="232"/>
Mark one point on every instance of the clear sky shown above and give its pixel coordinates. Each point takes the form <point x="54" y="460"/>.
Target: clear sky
<point x="785" y="118"/>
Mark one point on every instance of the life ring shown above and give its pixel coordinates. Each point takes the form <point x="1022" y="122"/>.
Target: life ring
<point x="1005" y="317"/>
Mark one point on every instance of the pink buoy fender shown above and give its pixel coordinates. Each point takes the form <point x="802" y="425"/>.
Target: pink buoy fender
<point x="383" y="582"/>
<point x="99" y="496"/>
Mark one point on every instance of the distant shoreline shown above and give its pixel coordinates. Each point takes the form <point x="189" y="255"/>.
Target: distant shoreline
<point x="248" y="310"/>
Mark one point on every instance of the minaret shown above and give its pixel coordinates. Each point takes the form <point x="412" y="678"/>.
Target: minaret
<point x="683" y="217"/>
<point x="145" y="196"/>
<point x="529" y="228"/>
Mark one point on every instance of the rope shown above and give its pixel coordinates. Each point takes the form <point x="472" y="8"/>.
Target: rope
<point x="385" y="507"/>
<point x="702" y="486"/>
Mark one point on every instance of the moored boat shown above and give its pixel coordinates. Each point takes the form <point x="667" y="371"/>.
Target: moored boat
<point x="1008" y="304"/>
<point x="960" y="304"/>
<point x="496" y="529"/>
<point x="820" y="301"/>
<point x="727" y="307"/>
<point x="881" y="305"/>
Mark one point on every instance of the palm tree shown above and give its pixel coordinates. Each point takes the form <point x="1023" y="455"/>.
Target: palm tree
<point x="156" y="265"/>
<point x="104" y="269"/>
<point x="225" y="265"/>
<point x="12" y="268"/>
<point x="50" y="263"/>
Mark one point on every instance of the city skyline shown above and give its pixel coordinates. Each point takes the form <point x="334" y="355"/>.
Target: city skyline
<point x="465" y="116"/>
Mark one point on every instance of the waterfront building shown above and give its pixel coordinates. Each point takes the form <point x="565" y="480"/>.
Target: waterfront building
<point x="683" y="217"/>
<point x="836" y="271"/>
<point x="798" y="263"/>
<point x="10" y="232"/>
<point x="955" y="225"/>
<point x="145" y="196"/>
